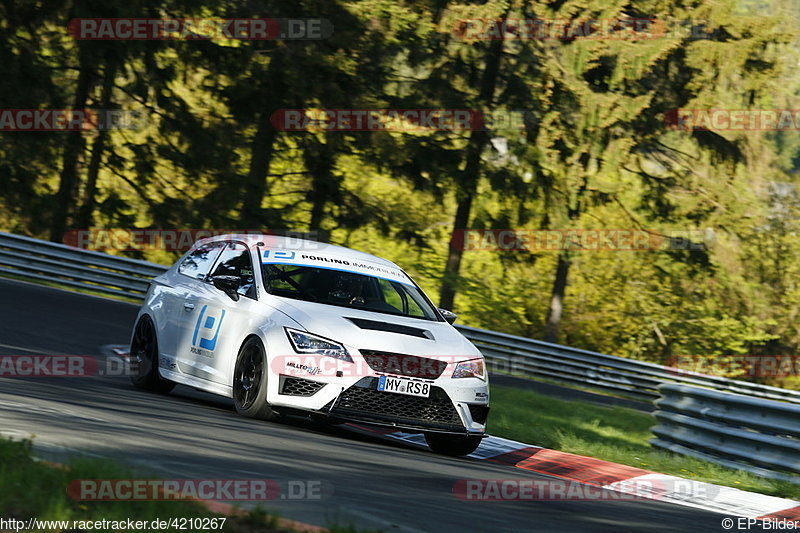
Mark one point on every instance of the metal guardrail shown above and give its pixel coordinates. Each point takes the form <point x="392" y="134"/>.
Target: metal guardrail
<point x="57" y="263"/>
<point x="85" y="269"/>
<point x="740" y="432"/>
<point x="519" y="355"/>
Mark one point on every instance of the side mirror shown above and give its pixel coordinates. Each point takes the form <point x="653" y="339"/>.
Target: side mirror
<point x="448" y="315"/>
<point x="227" y="284"/>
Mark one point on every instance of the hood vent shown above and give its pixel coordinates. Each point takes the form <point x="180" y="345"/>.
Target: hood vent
<point x="391" y="328"/>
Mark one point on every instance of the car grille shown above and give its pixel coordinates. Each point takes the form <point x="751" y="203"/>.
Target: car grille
<point x="479" y="413"/>
<point x="299" y="386"/>
<point x="404" y="365"/>
<point x="364" y="402"/>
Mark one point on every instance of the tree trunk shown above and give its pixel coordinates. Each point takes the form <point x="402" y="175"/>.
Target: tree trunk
<point x="319" y="159"/>
<point x="468" y="185"/>
<point x="454" y="254"/>
<point x="73" y="150"/>
<point x="317" y="213"/>
<point x="262" y="149"/>
<point x="556" y="307"/>
<point x="85" y="216"/>
<point x="255" y="187"/>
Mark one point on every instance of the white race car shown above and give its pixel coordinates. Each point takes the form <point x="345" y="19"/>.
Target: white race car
<point x="289" y="326"/>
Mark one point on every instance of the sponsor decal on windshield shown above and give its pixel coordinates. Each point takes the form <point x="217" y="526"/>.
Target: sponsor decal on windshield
<point x="367" y="268"/>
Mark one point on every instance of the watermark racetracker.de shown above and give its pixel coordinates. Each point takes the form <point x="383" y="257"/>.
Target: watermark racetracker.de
<point x="493" y="490"/>
<point x="398" y="120"/>
<point x="372" y="364"/>
<point x="239" y="490"/>
<point x="182" y="239"/>
<point x="628" y="239"/>
<point x="542" y="29"/>
<point x="69" y="119"/>
<point x="194" y="29"/>
<point x="733" y="119"/>
<point x="736" y="366"/>
<point x="62" y="366"/>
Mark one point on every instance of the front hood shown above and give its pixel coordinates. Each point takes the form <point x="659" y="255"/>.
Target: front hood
<point x="332" y="322"/>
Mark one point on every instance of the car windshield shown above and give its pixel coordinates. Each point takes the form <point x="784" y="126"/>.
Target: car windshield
<point x="347" y="289"/>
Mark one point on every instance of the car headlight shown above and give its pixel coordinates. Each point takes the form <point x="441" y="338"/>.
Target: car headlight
<point x="304" y="342"/>
<point x="474" y="368"/>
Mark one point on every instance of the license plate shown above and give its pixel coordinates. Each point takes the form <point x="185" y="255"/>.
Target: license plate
<point x="404" y="386"/>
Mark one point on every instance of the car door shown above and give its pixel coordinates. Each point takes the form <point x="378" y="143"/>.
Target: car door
<point x="176" y="297"/>
<point x="217" y="323"/>
<point x="188" y="282"/>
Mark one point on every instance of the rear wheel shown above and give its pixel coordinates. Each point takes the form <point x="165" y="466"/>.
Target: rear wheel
<point x="250" y="382"/>
<point x="144" y="358"/>
<point x="455" y="445"/>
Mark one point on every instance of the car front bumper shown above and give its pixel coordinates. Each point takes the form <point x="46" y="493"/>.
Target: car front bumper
<point x="362" y="402"/>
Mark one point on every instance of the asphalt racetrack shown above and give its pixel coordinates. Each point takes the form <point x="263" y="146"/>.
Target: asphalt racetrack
<point x="371" y="482"/>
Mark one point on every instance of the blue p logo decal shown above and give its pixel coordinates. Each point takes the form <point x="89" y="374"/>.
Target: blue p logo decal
<point x="206" y="329"/>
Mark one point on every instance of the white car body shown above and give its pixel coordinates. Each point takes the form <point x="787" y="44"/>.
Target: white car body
<point x="200" y="330"/>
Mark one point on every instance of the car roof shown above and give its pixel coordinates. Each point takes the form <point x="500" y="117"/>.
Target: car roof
<point x="277" y="242"/>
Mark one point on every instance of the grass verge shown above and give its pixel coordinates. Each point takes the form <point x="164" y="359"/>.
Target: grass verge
<point x="33" y="489"/>
<point x="614" y="434"/>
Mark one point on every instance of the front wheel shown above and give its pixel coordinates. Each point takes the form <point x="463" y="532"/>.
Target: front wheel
<point x="144" y="359"/>
<point x="455" y="445"/>
<point x="250" y="382"/>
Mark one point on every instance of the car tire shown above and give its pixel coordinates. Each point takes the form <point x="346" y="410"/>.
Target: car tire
<point x="250" y="382"/>
<point x="144" y="358"/>
<point x="454" y="445"/>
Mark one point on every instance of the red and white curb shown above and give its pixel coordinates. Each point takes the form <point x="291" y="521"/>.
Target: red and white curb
<point x="624" y="479"/>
